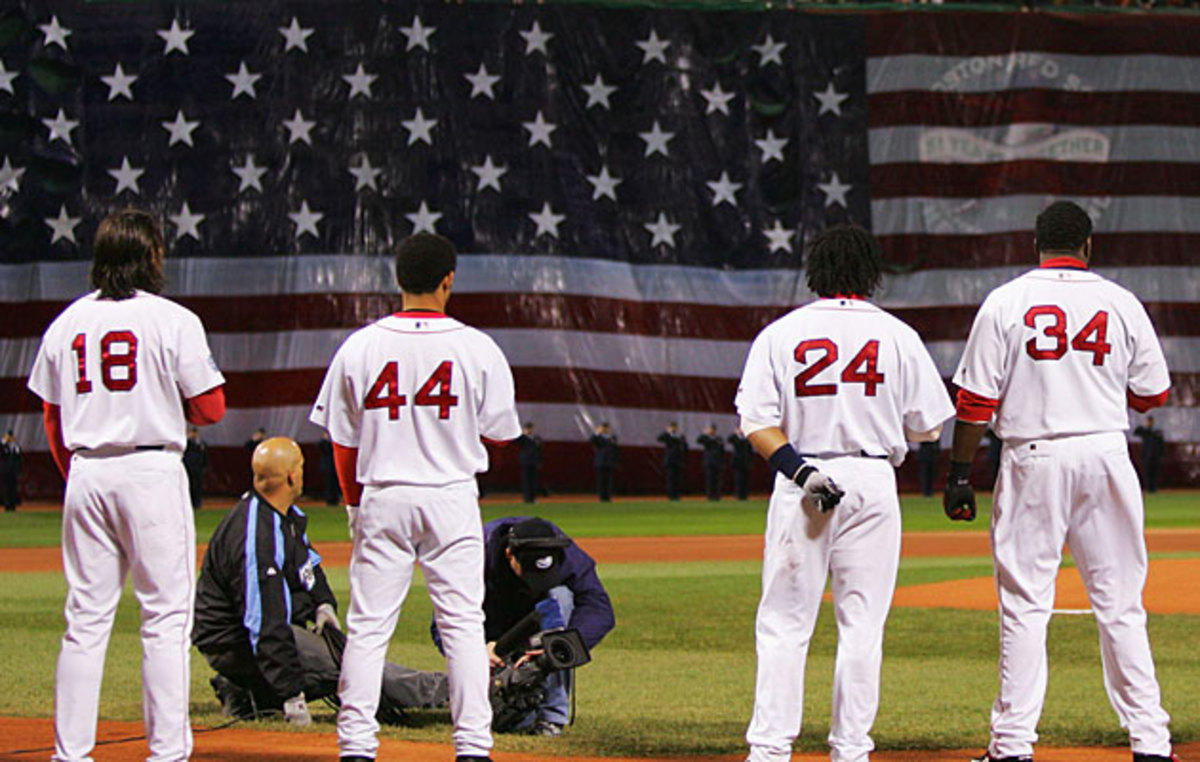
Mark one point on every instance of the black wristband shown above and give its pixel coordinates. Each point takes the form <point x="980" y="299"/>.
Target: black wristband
<point x="786" y="461"/>
<point x="803" y="474"/>
<point x="960" y="473"/>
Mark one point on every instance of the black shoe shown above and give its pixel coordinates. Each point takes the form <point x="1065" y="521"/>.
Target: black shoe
<point x="987" y="757"/>
<point x="236" y="702"/>
<point x="1139" y="757"/>
<point x="461" y="758"/>
<point x="356" y="759"/>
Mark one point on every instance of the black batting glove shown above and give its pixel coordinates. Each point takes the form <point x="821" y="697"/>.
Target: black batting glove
<point x="959" y="498"/>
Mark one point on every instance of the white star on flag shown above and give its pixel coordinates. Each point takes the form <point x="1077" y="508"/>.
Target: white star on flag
<point x="180" y="129"/>
<point x="539" y="130"/>
<point x="718" y="99"/>
<point x="604" y="184"/>
<point x="831" y="100"/>
<point x="423" y="220"/>
<point x="598" y="93"/>
<point x="835" y="191"/>
<point x="118" y="83"/>
<point x="360" y="82"/>
<point x="126" y="177"/>
<point x="186" y="222"/>
<point x="306" y="220"/>
<point x="656" y="140"/>
<point x="653" y="49"/>
<point x="769" y="51"/>
<point x="536" y="39"/>
<point x="482" y="83"/>
<point x="418" y="127"/>
<point x="489" y="174"/>
<point x="364" y="175"/>
<point x="299" y="128"/>
<point x="547" y="221"/>
<point x="662" y="231"/>
<point x="771" y="147"/>
<point x="418" y="35"/>
<point x="295" y="36"/>
<point x="60" y="127"/>
<point x="7" y="77"/>
<point x="250" y="174"/>
<point x="63" y="225"/>
<point x="779" y="237"/>
<point x="723" y="190"/>
<point x="243" y="82"/>
<point x="10" y="176"/>
<point x="175" y="38"/>
<point x="55" y="33"/>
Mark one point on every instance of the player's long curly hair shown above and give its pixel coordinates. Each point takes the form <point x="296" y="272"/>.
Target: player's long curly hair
<point x="128" y="255"/>
<point x="844" y="260"/>
<point x="1063" y="226"/>
<point x="423" y="260"/>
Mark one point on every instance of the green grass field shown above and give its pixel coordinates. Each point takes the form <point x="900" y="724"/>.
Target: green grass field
<point x="676" y="677"/>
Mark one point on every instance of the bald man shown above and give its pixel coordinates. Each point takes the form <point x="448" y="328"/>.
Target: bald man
<point x="261" y="588"/>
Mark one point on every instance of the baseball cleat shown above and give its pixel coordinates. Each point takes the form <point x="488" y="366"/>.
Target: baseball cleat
<point x="987" y="757"/>
<point x="1139" y="757"/>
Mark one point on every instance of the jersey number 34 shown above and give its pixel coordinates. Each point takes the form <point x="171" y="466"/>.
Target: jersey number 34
<point x="863" y="369"/>
<point x="435" y="392"/>
<point x="1053" y="324"/>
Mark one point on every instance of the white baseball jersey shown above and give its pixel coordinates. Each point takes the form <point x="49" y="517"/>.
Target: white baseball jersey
<point x="843" y="377"/>
<point x="120" y="370"/>
<point x="1072" y="343"/>
<point x="415" y="392"/>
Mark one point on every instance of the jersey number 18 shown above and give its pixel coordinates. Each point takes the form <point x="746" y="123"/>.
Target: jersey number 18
<point x="118" y="361"/>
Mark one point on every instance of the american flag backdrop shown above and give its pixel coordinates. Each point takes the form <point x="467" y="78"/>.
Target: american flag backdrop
<point x="631" y="188"/>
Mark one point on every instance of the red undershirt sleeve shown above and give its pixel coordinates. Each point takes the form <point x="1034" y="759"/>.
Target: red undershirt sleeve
<point x="1144" y="404"/>
<point x="345" y="460"/>
<point x="975" y="408"/>
<point x="207" y="408"/>
<point x="52" y="421"/>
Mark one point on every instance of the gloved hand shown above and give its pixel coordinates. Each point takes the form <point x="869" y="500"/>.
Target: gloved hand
<point x="295" y="711"/>
<point x="326" y="616"/>
<point x="959" y="499"/>
<point x="819" y="489"/>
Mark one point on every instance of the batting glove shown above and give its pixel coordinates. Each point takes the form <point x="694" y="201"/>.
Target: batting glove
<point x="819" y="489"/>
<point x="295" y="711"/>
<point x="326" y="616"/>
<point x="959" y="498"/>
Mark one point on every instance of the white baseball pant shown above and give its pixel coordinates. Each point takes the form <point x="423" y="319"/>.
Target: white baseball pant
<point x="858" y="544"/>
<point x="127" y="512"/>
<point x="1082" y="490"/>
<point x="394" y="528"/>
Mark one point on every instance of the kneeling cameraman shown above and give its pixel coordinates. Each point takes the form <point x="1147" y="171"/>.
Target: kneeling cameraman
<point x="260" y="584"/>
<point x="532" y="565"/>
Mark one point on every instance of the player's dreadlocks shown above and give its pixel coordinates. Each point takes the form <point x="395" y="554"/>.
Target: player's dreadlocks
<point x="844" y="260"/>
<point x="423" y="260"/>
<point x="1062" y="226"/>
<point x="128" y="255"/>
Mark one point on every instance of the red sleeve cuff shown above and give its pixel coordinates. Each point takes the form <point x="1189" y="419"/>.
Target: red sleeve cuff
<point x="1144" y="404"/>
<point x="345" y="460"/>
<point x="975" y="408"/>
<point x="207" y="408"/>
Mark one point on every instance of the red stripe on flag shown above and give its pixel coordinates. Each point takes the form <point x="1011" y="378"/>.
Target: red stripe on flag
<point x="1062" y="107"/>
<point x="972" y="35"/>
<point x="1034" y="177"/>
<point x="926" y="252"/>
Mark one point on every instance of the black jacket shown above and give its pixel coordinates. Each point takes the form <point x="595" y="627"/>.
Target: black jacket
<point x="675" y="449"/>
<point x="743" y="451"/>
<point x="256" y="610"/>
<point x="714" y="450"/>
<point x="606" y="450"/>
<point x="530" y="453"/>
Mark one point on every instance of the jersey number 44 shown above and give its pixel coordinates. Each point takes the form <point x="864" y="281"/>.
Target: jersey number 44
<point x="435" y="392"/>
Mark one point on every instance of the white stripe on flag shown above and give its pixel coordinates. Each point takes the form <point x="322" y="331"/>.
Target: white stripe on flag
<point x="1141" y="143"/>
<point x="1003" y="214"/>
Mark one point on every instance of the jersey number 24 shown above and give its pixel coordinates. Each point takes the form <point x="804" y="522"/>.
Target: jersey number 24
<point x="863" y="369"/>
<point x="435" y="392"/>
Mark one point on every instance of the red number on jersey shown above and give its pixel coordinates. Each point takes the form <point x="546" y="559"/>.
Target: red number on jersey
<point x="1056" y="330"/>
<point x="868" y="358"/>
<point x="79" y="347"/>
<point x="1098" y="326"/>
<point x="803" y="389"/>
<point x="443" y="400"/>
<point x="110" y="359"/>
<point x="388" y="381"/>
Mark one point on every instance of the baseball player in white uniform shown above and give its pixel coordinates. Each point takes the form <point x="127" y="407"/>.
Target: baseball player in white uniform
<point x="406" y="402"/>
<point x="1056" y="355"/>
<point x="121" y="371"/>
<point x="830" y="394"/>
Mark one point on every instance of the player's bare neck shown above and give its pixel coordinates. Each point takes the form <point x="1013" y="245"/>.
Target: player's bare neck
<point x="431" y="302"/>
